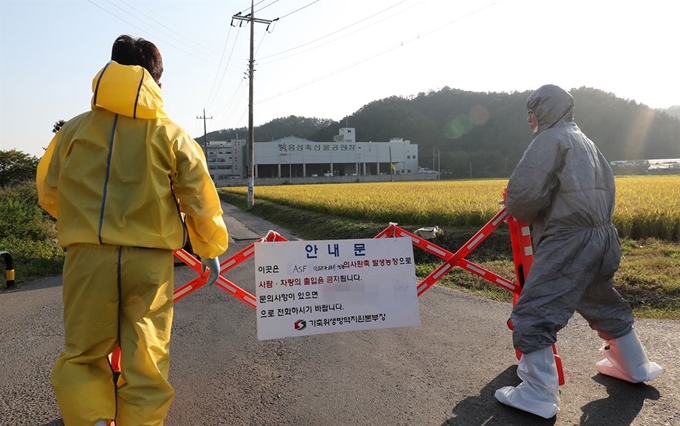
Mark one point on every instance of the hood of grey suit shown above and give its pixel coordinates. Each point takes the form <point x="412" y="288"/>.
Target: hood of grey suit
<point x="551" y="104"/>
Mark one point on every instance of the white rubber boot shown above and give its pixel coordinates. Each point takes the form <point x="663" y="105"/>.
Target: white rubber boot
<point x="539" y="392"/>
<point x="625" y="359"/>
<point x="101" y="423"/>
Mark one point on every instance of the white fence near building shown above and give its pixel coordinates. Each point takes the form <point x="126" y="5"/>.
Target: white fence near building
<point x="649" y="164"/>
<point x="323" y="179"/>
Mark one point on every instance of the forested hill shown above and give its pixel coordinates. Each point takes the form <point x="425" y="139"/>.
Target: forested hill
<point x="458" y="130"/>
<point x="673" y="111"/>
<point x="276" y="129"/>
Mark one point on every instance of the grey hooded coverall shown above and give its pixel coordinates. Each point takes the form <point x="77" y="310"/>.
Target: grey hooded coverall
<point x="564" y="186"/>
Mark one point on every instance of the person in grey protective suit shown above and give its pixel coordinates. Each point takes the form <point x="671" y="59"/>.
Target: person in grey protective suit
<point x="564" y="186"/>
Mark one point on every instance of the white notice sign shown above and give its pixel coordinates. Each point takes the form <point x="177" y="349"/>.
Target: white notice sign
<point x="315" y="287"/>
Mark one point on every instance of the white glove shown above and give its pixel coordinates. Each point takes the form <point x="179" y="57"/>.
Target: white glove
<point x="214" y="265"/>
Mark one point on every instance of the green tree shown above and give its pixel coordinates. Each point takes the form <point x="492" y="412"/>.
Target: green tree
<point x="16" y="167"/>
<point x="302" y="127"/>
<point x="673" y="111"/>
<point x="20" y="215"/>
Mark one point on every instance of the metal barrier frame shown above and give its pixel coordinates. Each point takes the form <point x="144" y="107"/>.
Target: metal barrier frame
<point x="520" y="239"/>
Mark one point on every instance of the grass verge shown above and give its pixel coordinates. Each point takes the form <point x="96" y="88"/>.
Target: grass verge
<point x="649" y="275"/>
<point x="33" y="260"/>
<point x="28" y="235"/>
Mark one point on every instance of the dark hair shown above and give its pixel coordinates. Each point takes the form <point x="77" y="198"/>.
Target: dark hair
<point x="130" y="51"/>
<point x="58" y="125"/>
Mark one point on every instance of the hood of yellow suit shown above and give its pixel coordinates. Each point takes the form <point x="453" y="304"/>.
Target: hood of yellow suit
<point x="127" y="90"/>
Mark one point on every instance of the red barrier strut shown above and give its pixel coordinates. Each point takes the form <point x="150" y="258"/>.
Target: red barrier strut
<point x="523" y="255"/>
<point x="520" y="239"/>
<point x="221" y="282"/>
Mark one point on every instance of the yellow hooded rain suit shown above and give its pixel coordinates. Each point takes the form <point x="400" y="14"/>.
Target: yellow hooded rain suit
<point x="116" y="178"/>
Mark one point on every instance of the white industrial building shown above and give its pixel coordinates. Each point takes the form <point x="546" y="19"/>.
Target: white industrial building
<point x="293" y="157"/>
<point x="226" y="160"/>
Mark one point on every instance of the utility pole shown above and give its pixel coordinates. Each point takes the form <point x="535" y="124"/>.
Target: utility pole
<point x="439" y="165"/>
<point x="391" y="166"/>
<point x="250" y="18"/>
<point x="205" y="137"/>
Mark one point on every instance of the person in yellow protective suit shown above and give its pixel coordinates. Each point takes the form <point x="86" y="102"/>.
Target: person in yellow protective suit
<point x="117" y="178"/>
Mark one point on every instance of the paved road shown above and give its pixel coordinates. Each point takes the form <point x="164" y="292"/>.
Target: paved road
<point x="443" y="372"/>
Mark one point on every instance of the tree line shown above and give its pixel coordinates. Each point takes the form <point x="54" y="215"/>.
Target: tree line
<point x="484" y="134"/>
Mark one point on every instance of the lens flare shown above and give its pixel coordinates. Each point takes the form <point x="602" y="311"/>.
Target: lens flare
<point x="479" y="115"/>
<point x="463" y="123"/>
<point x="636" y="136"/>
<point x="458" y="126"/>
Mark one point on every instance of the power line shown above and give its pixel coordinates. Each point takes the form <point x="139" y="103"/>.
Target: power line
<point x="169" y="35"/>
<point x="260" y="44"/>
<point x="366" y="59"/>
<point x="233" y="104"/>
<point x="266" y="6"/>
<point x="247" y="9"/>
<point x="335" y="32"/>
<point x="219" y="67"/>
<point x="341" y="37"/>
<point x="145" y="31"/>
<point x="165" y="26"/>
<point x="297" y="10"/>
<point x="236" y="92"/>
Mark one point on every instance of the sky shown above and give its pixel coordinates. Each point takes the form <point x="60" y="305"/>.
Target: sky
<point x="327" y="58"/>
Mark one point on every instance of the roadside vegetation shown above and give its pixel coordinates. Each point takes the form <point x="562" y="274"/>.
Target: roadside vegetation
<point x="28" y="234"/>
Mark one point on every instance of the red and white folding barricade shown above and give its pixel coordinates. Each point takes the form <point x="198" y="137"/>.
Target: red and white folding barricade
<point x="520" y="240"/>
